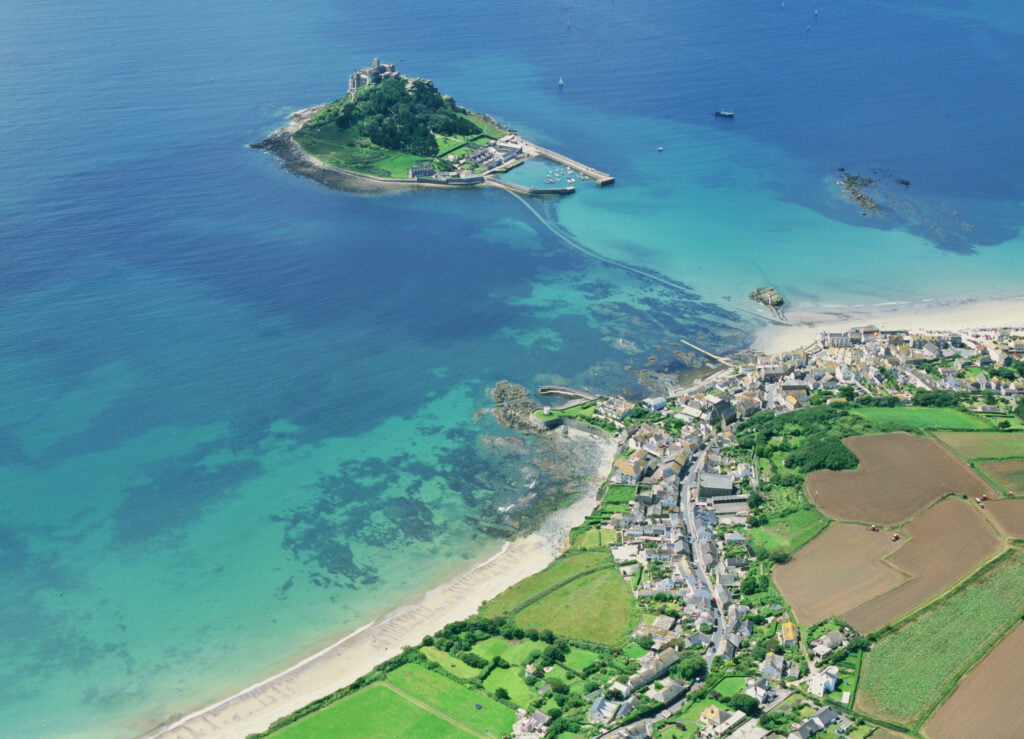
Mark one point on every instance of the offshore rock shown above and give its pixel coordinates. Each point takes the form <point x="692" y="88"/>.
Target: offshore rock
<point x="515" y="409"/>
<point x="767" y="295"/>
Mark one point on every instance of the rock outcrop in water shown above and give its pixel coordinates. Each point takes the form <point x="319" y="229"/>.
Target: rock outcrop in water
<point x="515" y="409"/>
<point x="769" y="297"/>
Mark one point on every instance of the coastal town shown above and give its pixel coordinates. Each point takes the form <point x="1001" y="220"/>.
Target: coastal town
<point x="681" y="607"/>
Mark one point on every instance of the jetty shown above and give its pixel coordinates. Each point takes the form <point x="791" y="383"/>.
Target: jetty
<point x="566" y="391"/>
<point x="523" y="190"/>
<point x="600" y="178"/>
<point x="717" y="358"/>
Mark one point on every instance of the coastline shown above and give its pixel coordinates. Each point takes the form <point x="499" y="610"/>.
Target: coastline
<point x="807" y="320"/>
<point x="358" y="652"/>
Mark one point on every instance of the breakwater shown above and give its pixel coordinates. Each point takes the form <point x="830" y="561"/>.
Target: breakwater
<point x="523" y="190"/>
<point x="600" y="178"/>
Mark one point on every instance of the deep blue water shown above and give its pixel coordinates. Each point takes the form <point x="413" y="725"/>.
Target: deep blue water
<point x="223" y="387"/>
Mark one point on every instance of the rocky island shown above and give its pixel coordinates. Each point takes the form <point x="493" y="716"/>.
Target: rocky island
<point x="768" y="296"/>
<point x="389" y="129"/>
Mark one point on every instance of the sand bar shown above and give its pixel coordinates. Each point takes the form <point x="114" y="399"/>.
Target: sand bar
<point x="255" y="708"/>
<point x="808" y="320"/>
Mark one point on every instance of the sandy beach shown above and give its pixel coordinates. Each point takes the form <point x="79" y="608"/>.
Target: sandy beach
<point x="808" y="320"/>
<point x="255" y="708"/>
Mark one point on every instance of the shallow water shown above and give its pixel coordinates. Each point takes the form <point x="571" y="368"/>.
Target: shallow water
<point x="236" y="405"/>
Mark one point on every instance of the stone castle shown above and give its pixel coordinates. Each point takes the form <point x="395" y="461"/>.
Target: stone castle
<point x="369" y="75"/>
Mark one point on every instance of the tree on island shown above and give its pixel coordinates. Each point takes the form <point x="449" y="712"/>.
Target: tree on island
<point x="399" y="115"/>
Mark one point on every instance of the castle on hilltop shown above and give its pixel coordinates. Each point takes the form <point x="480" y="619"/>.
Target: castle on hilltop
<point x="369" y="75"/>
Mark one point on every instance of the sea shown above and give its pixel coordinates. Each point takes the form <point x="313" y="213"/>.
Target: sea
<point x="242" y="414"/>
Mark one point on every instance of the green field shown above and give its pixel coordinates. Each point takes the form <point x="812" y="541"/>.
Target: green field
<point x="561" y="611"/>
<point x="360" y="715"/>
<point x="619" y="493"/>
<point x="510" y="678"/>
<point x="580" y="659"/>
<point x="791" y="532"/>
<point x="452" y="699"/>
<point x="452" y="664"/>
<point x="915" y="418"/>
<point x="515" y="653"/>
<point x="992" y="445"/>
<point x="561" y="571"/>
<point x="908" y="671"/>
<point x="594" y="538"/>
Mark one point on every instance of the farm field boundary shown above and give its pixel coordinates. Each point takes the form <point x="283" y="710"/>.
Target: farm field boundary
<point x="915" y="664"/>
<point x="947" y="542"/>
<point x="978" y="704"/>
<point x="899" y="476"/>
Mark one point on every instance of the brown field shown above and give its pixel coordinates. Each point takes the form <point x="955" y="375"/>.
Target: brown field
<point x="1008" y="515"/>
<point x="946" y="542"/>
<point x="984" y="444"/>
<point x="839" y="569"/>
<point x="1008" y="473"/>
<point x="986" y="702"/>
<point x="899" y="475"/>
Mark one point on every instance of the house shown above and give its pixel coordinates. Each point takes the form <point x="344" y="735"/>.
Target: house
<point x="654" y="404"/>
<point x="823" y="681"/>
<point x="773" y="666"/>
<point x="668" y="692"/>
<point x="420" y="171"/>
<point x="531" y="725"/>
<point x="718" y="721"/>
<point x="656" y="668"/>
<point x="821" y="718"/>
<point x="760" y="690"/>
<point x="602" y="710"/>
<point x="827" y="643"/>
<point x="790" y="635"/>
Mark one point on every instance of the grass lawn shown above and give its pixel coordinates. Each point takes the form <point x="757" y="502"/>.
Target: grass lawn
<point x="915" y="418"/>
<point x="510" y="678"/>
<point x="560" y="609"/>
<point x="907" y="672"/>
<point x="580" y="659"/>
<point x="361" y="714"/>
<point x="635" y="651"/>
<point x="729" y="686"/>
<point x="453" y="699"/>
<point x="452" y="664"/>
<point x="619" y="493"/>
<point x="515" y="653"/>
<point x="560" y="571"/>
<point x="790" y="532"/>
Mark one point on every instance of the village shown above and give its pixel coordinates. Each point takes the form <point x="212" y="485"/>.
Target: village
<point x="684" y="545"/>
<point x="668" y="615"/>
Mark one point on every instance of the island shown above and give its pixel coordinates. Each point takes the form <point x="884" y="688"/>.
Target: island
<point x="389" y="129"/>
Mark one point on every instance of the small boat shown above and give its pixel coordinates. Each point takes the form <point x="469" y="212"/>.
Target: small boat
<point x="724" y="114"/>
<point x="561" y="82"/>
<point x="661" y="148"/>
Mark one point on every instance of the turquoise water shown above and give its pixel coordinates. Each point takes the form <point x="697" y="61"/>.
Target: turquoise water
<point x="241" y="409"/>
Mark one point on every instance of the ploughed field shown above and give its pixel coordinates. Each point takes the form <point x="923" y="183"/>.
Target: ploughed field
<point x="987" y="700"/>
<point x="899" y="475"/>
<point x="869" y="580"/>
<point x="1008" y="516"/>
<point x="945" y="543"/>
<point x="840" y="569"/>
